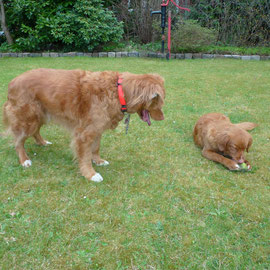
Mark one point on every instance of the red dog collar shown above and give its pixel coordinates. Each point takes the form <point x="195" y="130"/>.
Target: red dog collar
<point x="121" y="95"/>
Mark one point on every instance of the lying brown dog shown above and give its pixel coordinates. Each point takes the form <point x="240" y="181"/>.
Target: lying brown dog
<point x="218" y="138"/>
<point x="86" y="102"/>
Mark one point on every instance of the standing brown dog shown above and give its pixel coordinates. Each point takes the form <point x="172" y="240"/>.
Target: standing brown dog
<point x="218" y="137"/>
<point x="85" y="102"/>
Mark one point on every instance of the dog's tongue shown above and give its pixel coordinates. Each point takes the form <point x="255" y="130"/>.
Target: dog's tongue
<point x="146" y="117"/>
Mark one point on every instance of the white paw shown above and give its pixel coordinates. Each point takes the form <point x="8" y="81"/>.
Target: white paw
<point x="47" y="142"/>
<point x="249" y="167"/>
<point x="104" y="163"/>
<point x="237" y="167"/>
<point x="27" y="163"/>
<point x="97" y="178"/>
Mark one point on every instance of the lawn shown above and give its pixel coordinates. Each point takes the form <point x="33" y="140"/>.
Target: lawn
<point x="161" y="204"/>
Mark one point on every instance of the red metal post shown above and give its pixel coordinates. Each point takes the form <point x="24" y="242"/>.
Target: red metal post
<point x="163" y="24"/>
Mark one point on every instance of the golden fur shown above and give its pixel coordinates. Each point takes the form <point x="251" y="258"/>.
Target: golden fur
<point x="86" y="102"/>
<point x="218" y="138"/>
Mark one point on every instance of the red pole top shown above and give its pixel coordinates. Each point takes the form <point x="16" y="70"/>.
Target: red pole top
<point x="163" y="4"/>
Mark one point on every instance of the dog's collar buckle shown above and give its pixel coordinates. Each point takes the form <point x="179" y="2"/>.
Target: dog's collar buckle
<point x="121" y="95"/>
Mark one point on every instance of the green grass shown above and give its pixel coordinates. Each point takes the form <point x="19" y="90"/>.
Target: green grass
<point x="161" y="204"/>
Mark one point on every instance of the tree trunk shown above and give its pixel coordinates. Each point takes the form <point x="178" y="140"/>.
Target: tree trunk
<point x="3" y="23"/>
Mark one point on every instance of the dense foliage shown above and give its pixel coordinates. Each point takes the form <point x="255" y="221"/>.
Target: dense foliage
<point x="63" y="25"/>
<point x="239" y="22"/>
<point x="86" y="25"/>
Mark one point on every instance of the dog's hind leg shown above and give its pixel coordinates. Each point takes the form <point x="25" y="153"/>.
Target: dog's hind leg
<point x="39" y="140"/>
<point x="25" y="121"/>
<point x="19" y="146"/>
<point x="13" y="118"/>
<point x="95" y="153"/>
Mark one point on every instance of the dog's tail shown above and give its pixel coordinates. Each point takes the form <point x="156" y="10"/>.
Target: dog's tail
<point x="5" y="117"/>
<point x="5" y="121"/>
<point x="246" y="125"/>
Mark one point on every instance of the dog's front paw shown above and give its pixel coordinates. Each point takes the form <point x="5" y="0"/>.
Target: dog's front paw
<point x="233" y="166"/>
<point x="248" y="165"/>
<point x="97" y="178"/>
<point x="27" y="163"/>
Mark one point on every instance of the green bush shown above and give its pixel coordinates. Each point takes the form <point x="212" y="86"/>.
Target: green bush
<point x="62" y="25"/>
<point x="191" y="36"/>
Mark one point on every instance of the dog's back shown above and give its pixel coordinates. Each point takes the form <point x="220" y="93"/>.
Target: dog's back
<point x="203" y="125"/>
<point x="41" y="84"/>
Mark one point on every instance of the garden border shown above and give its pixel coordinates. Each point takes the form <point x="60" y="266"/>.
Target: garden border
<point x="139" y="54"/>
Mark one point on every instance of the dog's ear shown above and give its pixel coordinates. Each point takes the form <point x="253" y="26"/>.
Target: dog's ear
<point x="249" y="143"/>
<point x="154" y="97"/>
<point x="223" y="141"/>
<point x="156" y="94"/>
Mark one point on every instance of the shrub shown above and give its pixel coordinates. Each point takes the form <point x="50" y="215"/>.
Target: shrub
<point x="62" y="25"/>
<point x="191" y="36"/>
